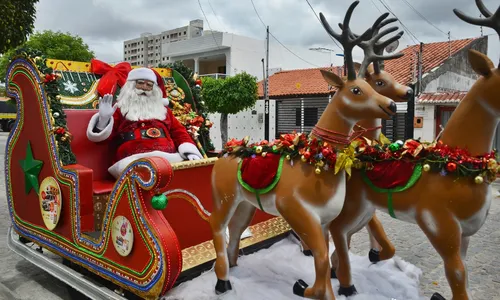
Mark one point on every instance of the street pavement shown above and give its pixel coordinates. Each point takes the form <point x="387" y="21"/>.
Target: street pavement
<point x="21" y="280"/>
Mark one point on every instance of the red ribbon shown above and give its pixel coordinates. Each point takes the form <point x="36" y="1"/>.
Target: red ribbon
<point x="111" y="76"/>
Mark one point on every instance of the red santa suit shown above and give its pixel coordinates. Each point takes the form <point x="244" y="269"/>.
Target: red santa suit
<point x="166" y="138"/>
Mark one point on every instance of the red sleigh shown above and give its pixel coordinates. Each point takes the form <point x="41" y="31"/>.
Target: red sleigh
<point x="104" y="227"/>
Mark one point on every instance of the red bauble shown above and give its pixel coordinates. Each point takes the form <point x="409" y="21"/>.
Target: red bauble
<point x="451" y="167"/>
<point x="307" y="155"/>
<point x="198" y="81"/>
<point x="325" y="152"/>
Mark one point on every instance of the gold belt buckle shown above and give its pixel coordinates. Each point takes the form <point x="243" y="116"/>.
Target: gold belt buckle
<point x="153" y="133"/>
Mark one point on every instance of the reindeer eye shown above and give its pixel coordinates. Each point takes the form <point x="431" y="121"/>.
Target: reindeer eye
<point x="380" y="83"/>
<point x="356" y="91"/>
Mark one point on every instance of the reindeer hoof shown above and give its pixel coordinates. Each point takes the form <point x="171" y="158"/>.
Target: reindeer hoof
<point x="222" y="286"/>
<point x="299" y="288"/>
<point x="374" y="256"/>
<point x="348" y="291"/>
<point x="307" y="253"/>
<point x="333" y="274"/>
<point x="437" y="296"/>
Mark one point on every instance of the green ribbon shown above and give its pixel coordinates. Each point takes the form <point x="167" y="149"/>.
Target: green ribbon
<point x="417" y="172"/>
<point x="265" y="190"/>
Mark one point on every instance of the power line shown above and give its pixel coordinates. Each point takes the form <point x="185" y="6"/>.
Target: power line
<point x="211" y="31"/>
<point x="412" y="36"/>
<point x="423" y="17"/>
<point x="216" y="15"/>
<point x="380" y="11"/>
<point x="322" y="24"/>
<point x="265" y="26"/>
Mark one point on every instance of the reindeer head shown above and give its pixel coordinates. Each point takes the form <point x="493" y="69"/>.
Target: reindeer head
<point x="490" y="76"/>
<point x="380" y="80"/>
<point x="355" y="98"/>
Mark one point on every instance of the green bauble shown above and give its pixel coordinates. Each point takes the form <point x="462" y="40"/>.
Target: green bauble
<point x="159" y="202"/>
<point x="394" y="147"/>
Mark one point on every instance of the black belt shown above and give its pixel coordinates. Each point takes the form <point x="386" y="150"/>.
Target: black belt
<point x="151" y="133"/>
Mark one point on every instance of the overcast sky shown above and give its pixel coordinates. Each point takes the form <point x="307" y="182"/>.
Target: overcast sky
<point x="105" y="24"/>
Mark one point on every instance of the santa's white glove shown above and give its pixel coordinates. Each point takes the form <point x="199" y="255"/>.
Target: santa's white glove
<point x="106" y="111"/>
<point x="192" y="157"/>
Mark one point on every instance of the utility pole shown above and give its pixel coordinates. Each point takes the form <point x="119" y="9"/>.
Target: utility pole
<point x="449" y="43"/>
<point x="480" y="17"/>
<point x="419" y="78"/>
<point x="266" y="90"/>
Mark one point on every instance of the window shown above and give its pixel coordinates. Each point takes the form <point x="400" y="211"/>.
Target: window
<point x="184" y="33"/>
<point x="163" y="37"/>
<point x="310" y="116"/>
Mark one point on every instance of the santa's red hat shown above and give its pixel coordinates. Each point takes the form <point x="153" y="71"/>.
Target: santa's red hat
<point x="151" y="75"/>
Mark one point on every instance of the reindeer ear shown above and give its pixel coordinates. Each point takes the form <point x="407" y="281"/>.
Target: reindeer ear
<point x="481" y="64"/>
<point x="332" y="78"/>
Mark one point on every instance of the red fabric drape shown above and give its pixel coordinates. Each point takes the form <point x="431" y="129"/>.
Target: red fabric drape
<point x="390" y="174"/>
<point x="111" y="76"/>
<point x="259" y="172"/>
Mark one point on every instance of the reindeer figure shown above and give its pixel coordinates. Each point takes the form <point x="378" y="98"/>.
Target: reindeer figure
<point x="448" y="210"/>
<point x="385" y="85"/>
<point x="308" y="201"/>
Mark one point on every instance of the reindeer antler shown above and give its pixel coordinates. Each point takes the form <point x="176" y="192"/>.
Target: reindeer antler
<point x="346" y="39"/>
<point x="373" y="49"/>
<point x="491" y="20"/>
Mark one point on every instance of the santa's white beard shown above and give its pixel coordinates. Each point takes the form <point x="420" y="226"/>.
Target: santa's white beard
<point x="138" y="105"/>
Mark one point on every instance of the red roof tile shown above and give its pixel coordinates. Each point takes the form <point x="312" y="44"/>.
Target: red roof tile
<point x="432" y="98"/>
<point x="310" y="82"/>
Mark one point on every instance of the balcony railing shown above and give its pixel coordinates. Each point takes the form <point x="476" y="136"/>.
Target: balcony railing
<point x="215" y="75"/>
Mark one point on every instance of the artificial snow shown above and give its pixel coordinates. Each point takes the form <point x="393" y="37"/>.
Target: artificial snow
<point x="271" y="273"/>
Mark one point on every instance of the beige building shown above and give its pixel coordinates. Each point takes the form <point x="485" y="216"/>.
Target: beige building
<point x="146" y="50"/>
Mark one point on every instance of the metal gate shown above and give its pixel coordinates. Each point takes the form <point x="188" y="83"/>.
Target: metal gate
<point x="298" y="115"/>
<point x="400" y="126"/>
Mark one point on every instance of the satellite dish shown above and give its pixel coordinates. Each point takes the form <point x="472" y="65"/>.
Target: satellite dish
<point x="392" y="46"/>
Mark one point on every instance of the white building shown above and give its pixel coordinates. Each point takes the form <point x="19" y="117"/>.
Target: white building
<point x="221" y="53"/>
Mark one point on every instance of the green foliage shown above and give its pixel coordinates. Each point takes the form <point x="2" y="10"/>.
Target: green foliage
<point x="16" y="22"/>
<point x="198" y="103"/>
<point x="55" y="45"/>
<point x="230" y="95"/>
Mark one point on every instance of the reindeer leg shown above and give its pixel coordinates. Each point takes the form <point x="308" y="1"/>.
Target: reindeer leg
<point x="308" y="228"/>
<point x="239" y="222"/>
<point x="379" y="238"/>
<point x="334" y="258"/>
<point x="219" y="219"/>
<point x="343" y="270"/>
<point x="444" y="233"/>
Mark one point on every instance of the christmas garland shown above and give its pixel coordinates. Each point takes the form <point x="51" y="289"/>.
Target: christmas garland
<point x="434" y="157"/>
<point x="58" y="117"/>
<point x="363" y="153"/>
<point x="310" y="150"/>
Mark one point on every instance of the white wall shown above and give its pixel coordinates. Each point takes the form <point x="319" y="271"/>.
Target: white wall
<point x="428" y="130"/>
<point x="245" y="124"/>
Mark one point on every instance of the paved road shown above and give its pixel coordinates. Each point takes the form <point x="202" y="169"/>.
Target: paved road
<point x="21" y="280"/>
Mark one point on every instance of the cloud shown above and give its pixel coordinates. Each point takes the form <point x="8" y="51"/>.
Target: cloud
<point x="105" y="24"/>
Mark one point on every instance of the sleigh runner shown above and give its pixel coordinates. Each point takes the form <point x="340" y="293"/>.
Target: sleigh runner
<point x="112" y="229"/>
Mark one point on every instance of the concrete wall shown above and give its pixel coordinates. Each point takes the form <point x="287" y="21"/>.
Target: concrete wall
<point x="456" y="74"/>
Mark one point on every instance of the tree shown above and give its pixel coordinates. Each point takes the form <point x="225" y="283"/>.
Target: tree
<point x="56" y="45"/>
<point x="229" y="96"/>
<point x="16" y="22"/>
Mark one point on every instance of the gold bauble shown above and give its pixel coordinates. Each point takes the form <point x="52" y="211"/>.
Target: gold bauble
<point x="264" y="154"/>
<point x="478" y="179"/>
<point x="258" y="149"/>
<point x="288" y="157"/>
<point x="318" y="171"/>
<point x="320" y="163"/>
<point x="427" y="167"/>
<point x="63" y="138"/>
<point x="303" y="158"/>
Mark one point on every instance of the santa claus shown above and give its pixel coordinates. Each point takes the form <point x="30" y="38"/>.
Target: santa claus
<point x="141" y="124"/>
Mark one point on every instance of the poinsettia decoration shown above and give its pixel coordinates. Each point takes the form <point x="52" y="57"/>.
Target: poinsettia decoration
<point x="435" y="157"/>
<point x="310" y="150"/>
